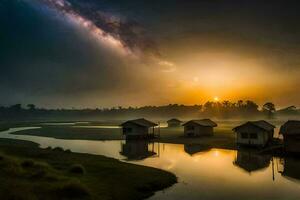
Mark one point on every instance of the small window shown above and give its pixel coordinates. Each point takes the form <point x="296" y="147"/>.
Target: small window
<point x="190" y="128"/>
<point x="244" y="135"/>
<point x="253" y="135"/>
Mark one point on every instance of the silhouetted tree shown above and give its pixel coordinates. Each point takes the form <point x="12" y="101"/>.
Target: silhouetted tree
<point x="16" y="107"/>
<point x="270" y="109"/>
<point x="31" y="107"/>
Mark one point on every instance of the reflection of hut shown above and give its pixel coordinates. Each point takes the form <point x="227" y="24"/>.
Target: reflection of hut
<point x="254" y="133"/>
<point x="174" y="122"/>
<point x="195" y="148"/>
<point x="250" y="161"/>
<point x="199" y="127"/>
<point x="291" y="168"/>
<point x="138" y="128"/>
<point x="137" y="149"/>
<point x="291" y="136"/>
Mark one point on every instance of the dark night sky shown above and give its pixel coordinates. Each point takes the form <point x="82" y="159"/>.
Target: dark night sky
<point x="149" y="52"/>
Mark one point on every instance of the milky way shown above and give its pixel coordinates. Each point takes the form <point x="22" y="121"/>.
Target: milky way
<point x="137" y="52"/>
<point x="106" y="27"/>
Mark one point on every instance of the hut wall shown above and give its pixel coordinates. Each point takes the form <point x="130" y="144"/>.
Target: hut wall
<point x="197" y="130"/>
<point x="134" y="130"/>
<point x="205" y="130"/>
<point x="260" y="140"/>
<point x="173" y="124"/>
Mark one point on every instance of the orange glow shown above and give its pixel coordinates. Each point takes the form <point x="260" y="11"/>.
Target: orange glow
<point x="216" y="99"/>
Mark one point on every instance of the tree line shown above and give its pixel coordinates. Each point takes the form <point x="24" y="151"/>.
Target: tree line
<point x="212" y="109"/>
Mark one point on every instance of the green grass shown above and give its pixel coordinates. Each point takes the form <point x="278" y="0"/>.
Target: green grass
<point x="28" y="172"/>
<point x="71" y="133"/>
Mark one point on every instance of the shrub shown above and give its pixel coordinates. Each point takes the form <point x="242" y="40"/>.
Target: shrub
<point x="77" y="169"/>
<point x="12" y="167"/>
<point x="58" y="149"/>
<point x="39" y="174"/>
<point x="48" y="148"/>
<point x="27" y="163"/>
<point x="73" y="189"/>
<point x="68" y="151"/>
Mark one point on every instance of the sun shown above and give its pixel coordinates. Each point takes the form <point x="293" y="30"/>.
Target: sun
<point x="216" y="99"/>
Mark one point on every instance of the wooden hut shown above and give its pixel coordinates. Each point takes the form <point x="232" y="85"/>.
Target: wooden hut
<point x="199" y="127"/>
<point x="174" y="122"/>
<point x="254" y="133"/>
<point x="291" y="136"/>
<point x="138" y="129"/>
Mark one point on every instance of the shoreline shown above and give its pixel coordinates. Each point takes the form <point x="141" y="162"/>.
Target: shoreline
<point x="223" y="137"/>
<point x="140" y="182"/>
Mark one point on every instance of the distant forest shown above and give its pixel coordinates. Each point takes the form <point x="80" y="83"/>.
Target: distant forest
<point x="220" y="110"/>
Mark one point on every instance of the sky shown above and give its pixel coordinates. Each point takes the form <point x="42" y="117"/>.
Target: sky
<point x="104" y="53"/>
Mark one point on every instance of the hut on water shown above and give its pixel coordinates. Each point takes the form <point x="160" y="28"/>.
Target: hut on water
<point x="254" y="133"/>
<point x="138" y="129"/>
<point x="199" y="127"/>
<point x="291" y="136"/>
<point x="174" y="122"/>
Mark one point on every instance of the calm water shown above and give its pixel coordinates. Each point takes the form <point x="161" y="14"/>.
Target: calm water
<point x="202" y="173"/>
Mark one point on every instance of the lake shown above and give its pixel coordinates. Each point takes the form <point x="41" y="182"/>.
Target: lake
<point x="208" y="174"/>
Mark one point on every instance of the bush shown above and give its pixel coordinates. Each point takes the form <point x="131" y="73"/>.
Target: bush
<point x="68" y="151"/>
<point x="58" y="149"/>
<point x="48" y="148"/>
<point x="27" y="163"/>
<point x="39" y="174"/>
<point x="77" y="169"/>
<point x="73" y="190"/>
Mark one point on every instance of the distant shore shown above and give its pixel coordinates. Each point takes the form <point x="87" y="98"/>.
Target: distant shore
<point x="223" y="137"/>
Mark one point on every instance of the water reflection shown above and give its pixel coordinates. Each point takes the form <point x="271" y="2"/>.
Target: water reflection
<point x="251" y="161"/>
<point x="192" y="149"/>
<point x="212" y="174"/>
<point x="290" y="168"/>
<point x="139" y="149"/>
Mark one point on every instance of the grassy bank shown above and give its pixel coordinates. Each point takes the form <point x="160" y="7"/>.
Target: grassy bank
<point x="223" y="137"/>
<point x="74" y="133"/>
<point x="28" y="172"/>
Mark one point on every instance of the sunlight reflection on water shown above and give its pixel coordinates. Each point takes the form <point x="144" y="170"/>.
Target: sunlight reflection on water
<point x="202" y="173"/>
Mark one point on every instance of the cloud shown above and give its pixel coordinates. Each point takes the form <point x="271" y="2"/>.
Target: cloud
<point x="167" y="66"/>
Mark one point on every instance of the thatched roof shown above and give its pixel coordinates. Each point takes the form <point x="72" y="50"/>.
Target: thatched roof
<point x="291" y="127"/>
<point x="202" y="122"/>
<point x="260" y="124"/>
<point x="174" y="120"/>
<point x="141" y="122"/>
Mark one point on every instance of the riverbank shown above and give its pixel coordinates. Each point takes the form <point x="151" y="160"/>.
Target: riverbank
<point x="222" y="138"/>
<point x="29" y="172"/>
